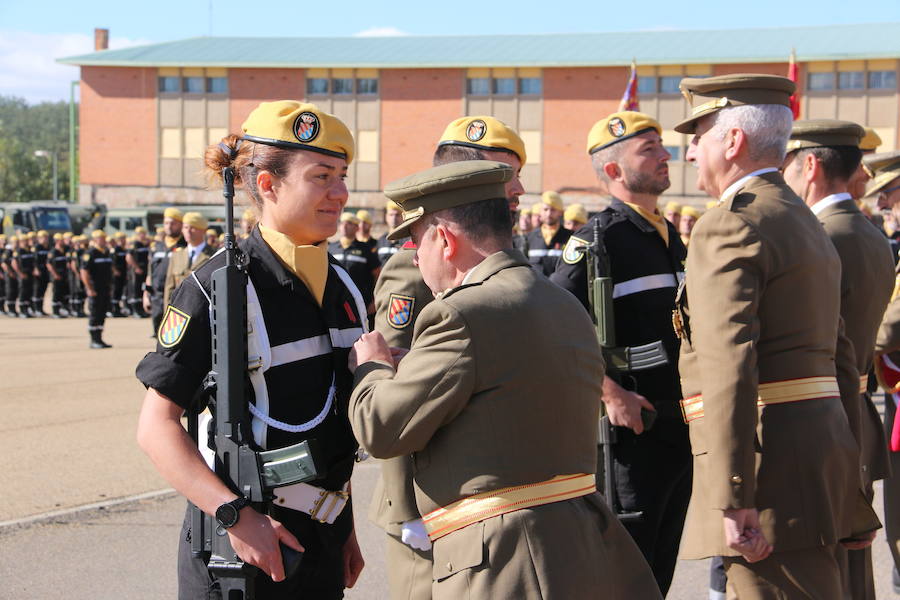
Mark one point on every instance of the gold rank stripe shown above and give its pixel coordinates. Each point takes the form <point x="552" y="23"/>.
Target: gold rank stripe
<point x="863" y="384"/>
<point x="775" y="392"/>
<point x="494" y="503"/>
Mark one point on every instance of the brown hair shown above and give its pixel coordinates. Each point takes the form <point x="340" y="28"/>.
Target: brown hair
<point x="248" y="159"/>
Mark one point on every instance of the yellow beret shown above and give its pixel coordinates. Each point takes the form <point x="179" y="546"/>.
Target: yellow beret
<point x="577" y="213"/>
<point x="120" y="235"/>
<point x="391" y="205"/>
<point x="552" y="199"/>
<point x="43" y="232"/>
<point x="619" y="126"/>
<point x="13" y="238"/>
<point x="822" y="133"/>
<point x="212" y="232"/>
<point x="364" y="216"/>
<point x="98" y="233"/>
<point x="707" y="95"/>
<point x="349" y="217"/>
<point x="30" y="235"/>
<point x="248" y="215"/>
<point x="486" y="133"/>
<point x="690" y="211"/>
<point x="673" y="206"/>
<point x="159" y="229"/>
<point x="173" y="213"/>
<point x="57" y="237"/>
<point x="298" y="126"/>
<point x="140" y="229"/>
<point x="221" y="236"/>
<point x="536" y="208"/>
<point x="870" y="141"/>
<point x="196" y="220"/>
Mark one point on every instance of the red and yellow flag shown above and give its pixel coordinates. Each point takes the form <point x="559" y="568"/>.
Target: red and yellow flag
<point x="794" y="75"/>
<point x="630" y="97"/>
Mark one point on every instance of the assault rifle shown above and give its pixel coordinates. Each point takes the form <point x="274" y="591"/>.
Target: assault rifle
<point x="600" y="297"/>
<point x="247" y="472"/>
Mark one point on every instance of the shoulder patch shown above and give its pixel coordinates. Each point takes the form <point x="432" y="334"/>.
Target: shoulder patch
<point x="171" y="329"/>
<point x="573" y="253"/>
<point x="86" y="256"/>
<point x="400" y="309"/>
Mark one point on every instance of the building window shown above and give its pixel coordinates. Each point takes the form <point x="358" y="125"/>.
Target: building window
<point x="217" y="85"/>
<point x="669" y="84"/>
<point x="851" y="80"/>
<point x="478" y="86"/>
<point x="883" y="80"/>
<point x="342" y="86"/>
<point x="675" y="151"/>
<point x="195" y="85"/>
<point x="504" y="86"/>
<point x="530" y="86"/>
<point x="646" y="85"/>
<point x="367" y="86"/>
<point x="170" y="85"/>
<point x="317" y="86"/>
<point x="820" y="81"/>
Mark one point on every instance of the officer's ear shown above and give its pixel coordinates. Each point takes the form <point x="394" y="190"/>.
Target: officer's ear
<point x="811" y="167"/>
<point x="264" y="185"/>
<point x="735" y="143"/>
<point x="612" y="170"/>
<point x="448" y="240"/>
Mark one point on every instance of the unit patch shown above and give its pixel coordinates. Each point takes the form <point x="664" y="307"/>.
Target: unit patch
<point x="616" y="127"/>
<point x="400" y="310"/>
<point x="573" y="251"/>
<point x="476" y="130"/>
<point x="306" y="126"/>
<point x="174" y="324"/>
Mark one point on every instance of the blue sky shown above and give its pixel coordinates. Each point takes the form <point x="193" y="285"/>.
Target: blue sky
<point x="33" y="35"/>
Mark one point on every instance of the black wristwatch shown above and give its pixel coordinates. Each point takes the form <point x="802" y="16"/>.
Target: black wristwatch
<point x="228" y="514"/>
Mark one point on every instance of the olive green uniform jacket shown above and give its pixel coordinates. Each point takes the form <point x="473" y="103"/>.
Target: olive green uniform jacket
<point x="178" y="268"/>
<point x="762" y="304"/>
<point x="502" y="387"/>
<point x="867" y="269"/>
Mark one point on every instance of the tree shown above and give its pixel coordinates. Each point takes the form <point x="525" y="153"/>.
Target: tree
<point x="25" y="129"/>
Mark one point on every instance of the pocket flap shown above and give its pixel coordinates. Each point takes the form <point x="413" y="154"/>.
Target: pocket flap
<point x="459" y="550"/>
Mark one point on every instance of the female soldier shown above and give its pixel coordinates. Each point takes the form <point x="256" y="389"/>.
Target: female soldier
<point x="304" y="314"/>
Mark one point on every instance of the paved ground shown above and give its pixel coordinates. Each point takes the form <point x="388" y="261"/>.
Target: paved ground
<point x="67" y="442"/>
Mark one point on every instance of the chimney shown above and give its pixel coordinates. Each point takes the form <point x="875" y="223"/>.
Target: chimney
<point x="101" y="39"/>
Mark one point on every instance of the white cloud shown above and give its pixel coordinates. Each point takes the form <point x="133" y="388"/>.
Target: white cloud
<point x="28" y="66"/>
<point x="380" y="32"/>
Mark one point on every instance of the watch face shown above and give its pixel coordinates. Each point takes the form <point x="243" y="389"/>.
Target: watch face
<point x="226" y="515"/>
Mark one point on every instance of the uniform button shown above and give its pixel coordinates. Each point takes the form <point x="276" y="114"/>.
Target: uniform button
<point x="736" y="479"/>
<point x="388" y="500"/>
<point x="449" y="566"/>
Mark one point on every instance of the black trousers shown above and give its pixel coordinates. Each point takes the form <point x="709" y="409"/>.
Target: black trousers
<point x="321" y="572"/>
<point x="26" y="292"/>
<point x="135" y="295"/>
<point x="653" y="476"/>
<point x="60" y="293"/>
<point x="156" y="311"/>
<point x="40" y="290"/>
<point x="76" y="294"/>
<point x="98" y="306"/>
<point x="12" y="292"/>
<point x="118" y="292"/>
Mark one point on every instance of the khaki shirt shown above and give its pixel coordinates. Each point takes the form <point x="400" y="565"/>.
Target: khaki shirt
<point x="178" y="268"/>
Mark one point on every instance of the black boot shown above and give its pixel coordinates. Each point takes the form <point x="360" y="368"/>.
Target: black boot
<point x="97" y="342"/>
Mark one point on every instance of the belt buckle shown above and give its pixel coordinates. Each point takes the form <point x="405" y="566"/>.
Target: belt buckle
<point x="338" y="497"/>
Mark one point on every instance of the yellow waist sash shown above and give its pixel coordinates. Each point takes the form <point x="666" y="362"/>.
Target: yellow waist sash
<point x="479" y="507"/>
<point x="776" y="392"/>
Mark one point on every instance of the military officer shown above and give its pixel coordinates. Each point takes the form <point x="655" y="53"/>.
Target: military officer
<point x="57" y="268"/>
<point x="97" y="276"/>
<point x="364" y="233"/>
<point x="186" y="259"/>
<point x="138" y="259"/>
<point x="652" y="468"/>
<point x="468" y="403"/>
<point x="672" y="213"/>
<point x="248" y="222"/>
<point x="386" y="248"/>
<point x="76" y="288"/>
<point x="535" y="212"/>
<point x="212" y="238"/>
<point x="400" y="296"/>
<point x="41" y="275"/>
<point x="23" y="263"/>
<point x="155" y="281"/>
<point x="758" y="367"/>
<point x="575" y="217"/>
<point x="2" y="275"/>
<point x="823" y="156"/>
<point x="119" y="254"/>
<point x="12" y="279"/>
<point x="358" y="258"/>
<point x="885" y="186"/>
<point x="545" y="243"/>
<point x="686" y="222"/>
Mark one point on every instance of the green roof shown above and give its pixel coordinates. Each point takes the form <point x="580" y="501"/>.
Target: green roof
<point x="862" y="41"/>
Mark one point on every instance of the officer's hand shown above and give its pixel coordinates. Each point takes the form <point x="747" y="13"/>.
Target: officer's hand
<point x="742" y="533"/>
<point x="92" y="293"/>
<point x="145" y="301"/>
<point x="397" y="355"/>
<point x="624" y="407"/>
<point x="370" y="346"/>
<point x="859" y="542"/>
<point x="255" y="540"/>
<point x="353" y="560"/>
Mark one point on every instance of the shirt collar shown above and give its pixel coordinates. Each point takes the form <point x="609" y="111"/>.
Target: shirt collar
<point x="827" y="201"/>
<point x="733" y="189"/>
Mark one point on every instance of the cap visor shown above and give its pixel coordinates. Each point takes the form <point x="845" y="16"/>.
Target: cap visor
<point x="881" y="181"/>
<point x="402" y="229"/>
<point x="688" y="125"/>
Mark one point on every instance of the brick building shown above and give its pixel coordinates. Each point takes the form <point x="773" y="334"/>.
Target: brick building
<point x="147" y="113"/>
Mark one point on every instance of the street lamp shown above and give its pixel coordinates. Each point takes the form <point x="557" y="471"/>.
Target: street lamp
<point x="52" y="156"/>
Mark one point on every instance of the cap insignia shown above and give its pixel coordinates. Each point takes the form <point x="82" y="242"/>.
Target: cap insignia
<point x="476" y="130"/>
<point x="616" y="127"/>
<point x="717" y="103"/>
<point x="306" y="127"/>
<point x="409" y="214"/>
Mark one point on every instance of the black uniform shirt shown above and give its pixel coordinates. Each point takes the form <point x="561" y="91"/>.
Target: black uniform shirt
<point x="98" y="263"/>
<point x="543" y="256"/>
<point x="386" y="248"/>
<point x="645" y="274"/>
<point x="159" y="260"/>
<point x="360" y="261"/>
<point x="41" y="252"/>
<point x="298" y="388"/>
<point x="59" y="259"/>
<point x="140" y="253"/>
<point x="118" y="257"/>
<point x="25" y="258"/>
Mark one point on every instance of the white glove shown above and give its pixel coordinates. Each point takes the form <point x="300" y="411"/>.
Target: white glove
<point x="413" y="535"/>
